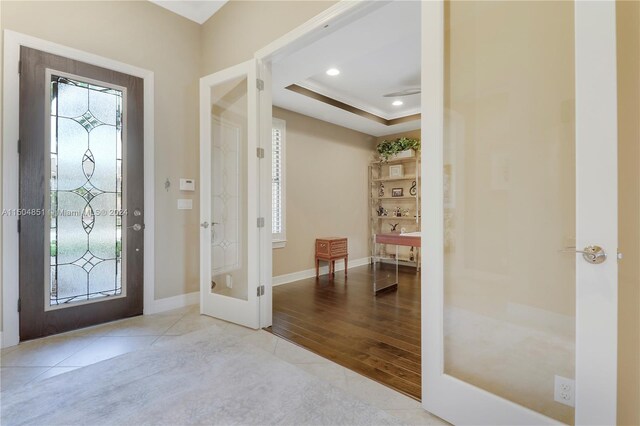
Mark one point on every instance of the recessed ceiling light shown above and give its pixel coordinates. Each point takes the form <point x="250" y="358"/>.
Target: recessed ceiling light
<point x="333" y="72"/>
<point x="397" y="103"/>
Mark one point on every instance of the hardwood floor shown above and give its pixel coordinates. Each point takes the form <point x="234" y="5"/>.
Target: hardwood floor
<point x="341" y="319"/>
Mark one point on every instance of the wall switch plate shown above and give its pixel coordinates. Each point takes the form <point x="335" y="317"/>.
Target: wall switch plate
<point x="187" y="184"/>
<point x="185" y="204"/>
<point x="564" y="391"/>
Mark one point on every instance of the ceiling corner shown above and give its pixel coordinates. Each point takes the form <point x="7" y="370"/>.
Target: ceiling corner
<point x="198" y="11"/>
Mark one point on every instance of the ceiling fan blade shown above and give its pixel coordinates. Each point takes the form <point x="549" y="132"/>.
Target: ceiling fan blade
<point x="405" y="92"/>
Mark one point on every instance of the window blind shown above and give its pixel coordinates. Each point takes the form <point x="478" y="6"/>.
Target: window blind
<point x="277" y="190"/>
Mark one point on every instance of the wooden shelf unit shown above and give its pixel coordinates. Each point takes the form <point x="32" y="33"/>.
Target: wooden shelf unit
<point x="398" y="160"/>
<point x="404" y="197"/>
<point x="379" y="175"/>
<point x="390" y="179"/>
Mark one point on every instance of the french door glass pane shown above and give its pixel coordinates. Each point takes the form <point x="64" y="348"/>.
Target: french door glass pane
<point x="229" y="189"/>
<point x="510" y="198"/>
<point x="85" y="235"/>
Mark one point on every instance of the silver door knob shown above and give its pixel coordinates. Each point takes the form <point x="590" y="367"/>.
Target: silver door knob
<point x="136" y="227"/>
<point x="205" y="225"/>
<point x="592" y="254"/>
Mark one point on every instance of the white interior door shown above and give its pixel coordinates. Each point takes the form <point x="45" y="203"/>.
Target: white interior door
<point x="519" y="159"/>
<point x="229" y="248"/>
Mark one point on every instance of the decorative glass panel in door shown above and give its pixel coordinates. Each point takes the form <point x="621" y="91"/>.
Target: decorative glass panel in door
<point x="85" y="197"/>
<point x="228" y="207"/>
<point x="519" y="186"/>
<point x="228" y="172"/>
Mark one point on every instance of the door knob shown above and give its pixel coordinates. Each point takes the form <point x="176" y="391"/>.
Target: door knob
<point x="205" y="225"/>
<point x="592" y="254"/>
<point x="136" y="227"/>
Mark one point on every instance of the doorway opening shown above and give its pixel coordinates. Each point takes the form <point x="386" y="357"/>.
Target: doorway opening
<point x="340" y="288"/>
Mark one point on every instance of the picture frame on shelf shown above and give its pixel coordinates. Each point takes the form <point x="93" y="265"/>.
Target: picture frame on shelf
<point x="397" y="192"/>
<point x="396" y="171"/>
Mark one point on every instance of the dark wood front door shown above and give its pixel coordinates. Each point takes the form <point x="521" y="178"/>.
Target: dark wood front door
<point x="81" y="194"/>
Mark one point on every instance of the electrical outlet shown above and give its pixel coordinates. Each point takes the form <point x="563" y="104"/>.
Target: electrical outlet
<point x="564" y="391"/>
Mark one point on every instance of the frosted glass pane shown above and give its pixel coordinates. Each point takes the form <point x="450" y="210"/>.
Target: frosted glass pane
<point x="102" y="141"/>
<point x="217" y="166"/>
<point x="217" y="252"/>
<point x="103" y="106"/>
<point x="72" y="282"/>
<point x="509" y="174"/>
<point x="86" y="191"/>
<point x="102" y="240"/>
<point x="228" y="191"/>
<point x="54" y="145"/>
<point x="71" y="237"/>
<point x="73" y="101"/>
<point x="103" y="278"/>
<point x="72" y="143"/>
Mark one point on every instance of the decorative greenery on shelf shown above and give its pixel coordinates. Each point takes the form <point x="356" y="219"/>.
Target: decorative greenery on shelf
<point x="389" y="148"/>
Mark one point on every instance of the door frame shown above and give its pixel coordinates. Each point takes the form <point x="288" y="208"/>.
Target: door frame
<point x="10" y="335"/>
<point x="299" y="36"/>
<point x="596" y="311"/>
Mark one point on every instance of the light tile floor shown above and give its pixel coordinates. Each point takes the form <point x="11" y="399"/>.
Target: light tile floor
<point x="43" y="358"/>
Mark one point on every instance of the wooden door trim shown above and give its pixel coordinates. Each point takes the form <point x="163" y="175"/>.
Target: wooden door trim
<point x="10" y="160"/>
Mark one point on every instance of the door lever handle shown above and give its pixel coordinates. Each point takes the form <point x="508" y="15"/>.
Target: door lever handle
<point x="592" y="254"/>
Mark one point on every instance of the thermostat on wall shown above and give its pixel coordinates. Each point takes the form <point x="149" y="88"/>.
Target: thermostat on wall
<point x="187" y="184"/>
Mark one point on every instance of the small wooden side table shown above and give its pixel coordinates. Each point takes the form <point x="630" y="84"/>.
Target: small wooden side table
<point x="331" y="249"/>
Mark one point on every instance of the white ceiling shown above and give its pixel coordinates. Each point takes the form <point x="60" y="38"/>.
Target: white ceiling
<point x="376" y="54"/>
<point x="198" y="11"/>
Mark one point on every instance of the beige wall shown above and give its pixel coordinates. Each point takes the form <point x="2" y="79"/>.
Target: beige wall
<point x="145" y="35"/>
<point x="241" y="28"/>
<point x="326" y="189"/>
<point x="628" y="20"/>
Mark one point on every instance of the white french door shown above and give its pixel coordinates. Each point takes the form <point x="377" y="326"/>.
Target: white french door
<point x="229" y="202"/>
<point x="519" y="160"/>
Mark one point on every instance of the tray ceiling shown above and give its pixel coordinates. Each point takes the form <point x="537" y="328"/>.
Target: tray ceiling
<point x="376" y="54"/>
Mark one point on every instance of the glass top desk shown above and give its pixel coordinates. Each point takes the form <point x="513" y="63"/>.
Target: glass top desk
<point x="385" y="277"/>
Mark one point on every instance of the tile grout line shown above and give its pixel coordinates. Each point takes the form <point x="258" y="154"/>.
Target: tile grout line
<point x="172" y="325"/>
<point x="90" y="339"/>
<point x="36" y="376"/>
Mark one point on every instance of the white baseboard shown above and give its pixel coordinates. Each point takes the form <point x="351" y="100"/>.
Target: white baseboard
<point x="310" y="273"/>
<point x="175" y="302"/>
